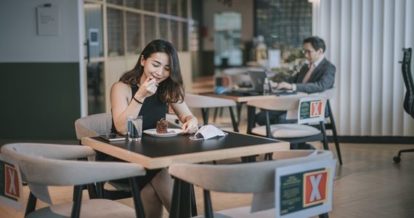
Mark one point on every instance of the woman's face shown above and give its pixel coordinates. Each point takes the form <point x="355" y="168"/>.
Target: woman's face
<point x="157" y="66"/>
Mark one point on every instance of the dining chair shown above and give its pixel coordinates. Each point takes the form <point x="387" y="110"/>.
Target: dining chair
<point x="44" y="165"/>
<point x="409" y="94"/>
<point x="206" y="102"/>
<point x="96" y="125"/>
<point x="257" y="178"/>
<point x="330" y="120"/>
<point x="93" y="125"/>
<point x="308" y="110"/>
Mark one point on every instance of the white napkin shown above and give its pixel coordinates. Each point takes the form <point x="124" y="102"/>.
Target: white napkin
<point x="208" y="132"/>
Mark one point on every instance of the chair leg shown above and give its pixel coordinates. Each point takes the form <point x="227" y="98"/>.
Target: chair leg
<point x="136" y="195"/>
<point x="250" y="118"/>
<point x="204" y="113"/>
<point x="181" y="200"/>
<point x="325" y="139"/>
<point x="208" y="207"/>
<point x="324" y="215"/>
<point x="215" y="114"/>
<point x="77" y="201"/>
<point x="397" y="158"/>
<point x="334" y="134"/>
<point x="233" y="120"/>
<point x="31" y="204"/>
<point x="193" y="201"/>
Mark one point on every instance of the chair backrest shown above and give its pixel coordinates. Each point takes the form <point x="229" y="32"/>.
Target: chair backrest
<point x="201" y="101"/>
<point x="278" y="103"/>
<point x="44" y="166"/>
<point x="257" y="177"/>
<point x="408" y="81"/>
<point x="304" y="108"/>
<point x="232" y="177"/>
<point x="311" y="110"/>
<point x="93" y="125"/>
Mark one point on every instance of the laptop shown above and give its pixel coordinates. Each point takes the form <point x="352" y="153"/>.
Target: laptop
<point x="257" y="78"/>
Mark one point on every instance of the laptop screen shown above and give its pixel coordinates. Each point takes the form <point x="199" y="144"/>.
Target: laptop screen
<point x="257" y="78"/>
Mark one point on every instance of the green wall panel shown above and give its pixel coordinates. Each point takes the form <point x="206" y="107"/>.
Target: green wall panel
<point x="39" y="100"/>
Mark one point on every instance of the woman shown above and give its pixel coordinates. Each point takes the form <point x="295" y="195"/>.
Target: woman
<point x="148" y="89"/>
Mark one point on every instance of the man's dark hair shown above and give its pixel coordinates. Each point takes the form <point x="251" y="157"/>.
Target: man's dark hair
<point x="316" y="43"/>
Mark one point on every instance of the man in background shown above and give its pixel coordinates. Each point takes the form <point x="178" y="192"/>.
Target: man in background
<point x="317" y="75"/>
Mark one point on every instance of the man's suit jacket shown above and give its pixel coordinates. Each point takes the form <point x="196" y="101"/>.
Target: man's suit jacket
<point x="322" y="78"/>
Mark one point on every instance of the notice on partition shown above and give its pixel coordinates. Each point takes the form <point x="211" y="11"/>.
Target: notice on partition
<point x="47" y="20"/>
<point x="304" y="191"/>
<point x="10" y="184"/>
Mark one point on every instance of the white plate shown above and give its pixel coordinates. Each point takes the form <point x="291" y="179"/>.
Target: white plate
<point x="170" y="132"/>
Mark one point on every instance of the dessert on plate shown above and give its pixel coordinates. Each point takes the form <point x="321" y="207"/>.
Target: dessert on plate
<point x="162" y="126"/>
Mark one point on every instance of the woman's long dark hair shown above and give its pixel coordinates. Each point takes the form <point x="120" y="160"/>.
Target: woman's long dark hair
<point x="170" y="90"/>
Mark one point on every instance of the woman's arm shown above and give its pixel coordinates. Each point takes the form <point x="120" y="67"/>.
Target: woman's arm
<point x="123" y="105"/>
<point x="190" y="122"/>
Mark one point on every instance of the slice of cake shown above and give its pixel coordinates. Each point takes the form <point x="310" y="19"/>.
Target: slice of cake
<point x="162" y="126"/>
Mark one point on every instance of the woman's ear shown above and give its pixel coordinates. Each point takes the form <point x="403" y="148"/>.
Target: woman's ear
<point x="142" y="61"/>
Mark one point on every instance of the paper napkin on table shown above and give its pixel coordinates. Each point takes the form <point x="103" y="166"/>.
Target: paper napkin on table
<point x="208" y="132"/>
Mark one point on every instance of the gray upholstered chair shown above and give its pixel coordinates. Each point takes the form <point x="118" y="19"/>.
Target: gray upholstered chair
<point x="96" y="125"/>
<point x="93" y="125"/>
<point x="43" y="165"/>
<point x="257" y="178"/>
<point x="295" y="133"/>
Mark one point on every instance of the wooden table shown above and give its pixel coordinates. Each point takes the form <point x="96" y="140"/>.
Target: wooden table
<point x="154" y="153"/>
<point x="242" y="99"/>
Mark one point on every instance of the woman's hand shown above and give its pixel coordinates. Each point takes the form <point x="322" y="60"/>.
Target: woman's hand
<point x="190" y="125"/>
<point x="147" y="88"/>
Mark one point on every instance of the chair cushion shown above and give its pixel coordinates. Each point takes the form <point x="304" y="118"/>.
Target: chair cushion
<point x="90" y="208"/>
<point x="287" y="130"/>
<point x="242" y="212"/>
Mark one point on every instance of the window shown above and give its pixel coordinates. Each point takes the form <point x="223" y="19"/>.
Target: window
<point x="115" y="33"/>
<point x="283" y="22"/>
<point x="133" y="23"/>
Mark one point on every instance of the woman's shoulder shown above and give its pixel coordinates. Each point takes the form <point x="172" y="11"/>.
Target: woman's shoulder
<point x="121" y="86"/>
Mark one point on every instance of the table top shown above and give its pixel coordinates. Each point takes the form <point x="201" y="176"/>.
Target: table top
<point x="243" y="99"/>
<point x="153" y="152"/>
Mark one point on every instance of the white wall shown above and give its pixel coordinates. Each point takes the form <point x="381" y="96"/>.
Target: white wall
<point x="244" y="7"/>
<point x="365" y="40"/>
<point x="19" y="41"/>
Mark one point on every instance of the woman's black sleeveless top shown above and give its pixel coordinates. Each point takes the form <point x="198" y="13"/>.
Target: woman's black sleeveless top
<point x="152" y="110"/>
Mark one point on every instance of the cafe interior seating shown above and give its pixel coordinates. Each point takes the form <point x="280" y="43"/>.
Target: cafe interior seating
<point x="44" y="165"/>
<point x="93" y="125"/>
<point x="96" y="125"/>
<point x="330" y="120"/>
<point x="206" y="102"/>
<point x="409" y="95"/>
<point x="295" y="133"/>
<point x="232" y="178"/>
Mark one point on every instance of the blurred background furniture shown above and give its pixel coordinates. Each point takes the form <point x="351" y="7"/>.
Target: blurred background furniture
<point x="296" y="133"/>
<point x="41" y="165"/>
<point x="257" y="178"/>
<point x="409" y="95"/>
<point x="330" y="120"/>
<point x="206" y="102"/>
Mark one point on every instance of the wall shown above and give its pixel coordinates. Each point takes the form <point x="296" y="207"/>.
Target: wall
<point x="365" y="40"/>
<point x="39" y="89"/>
